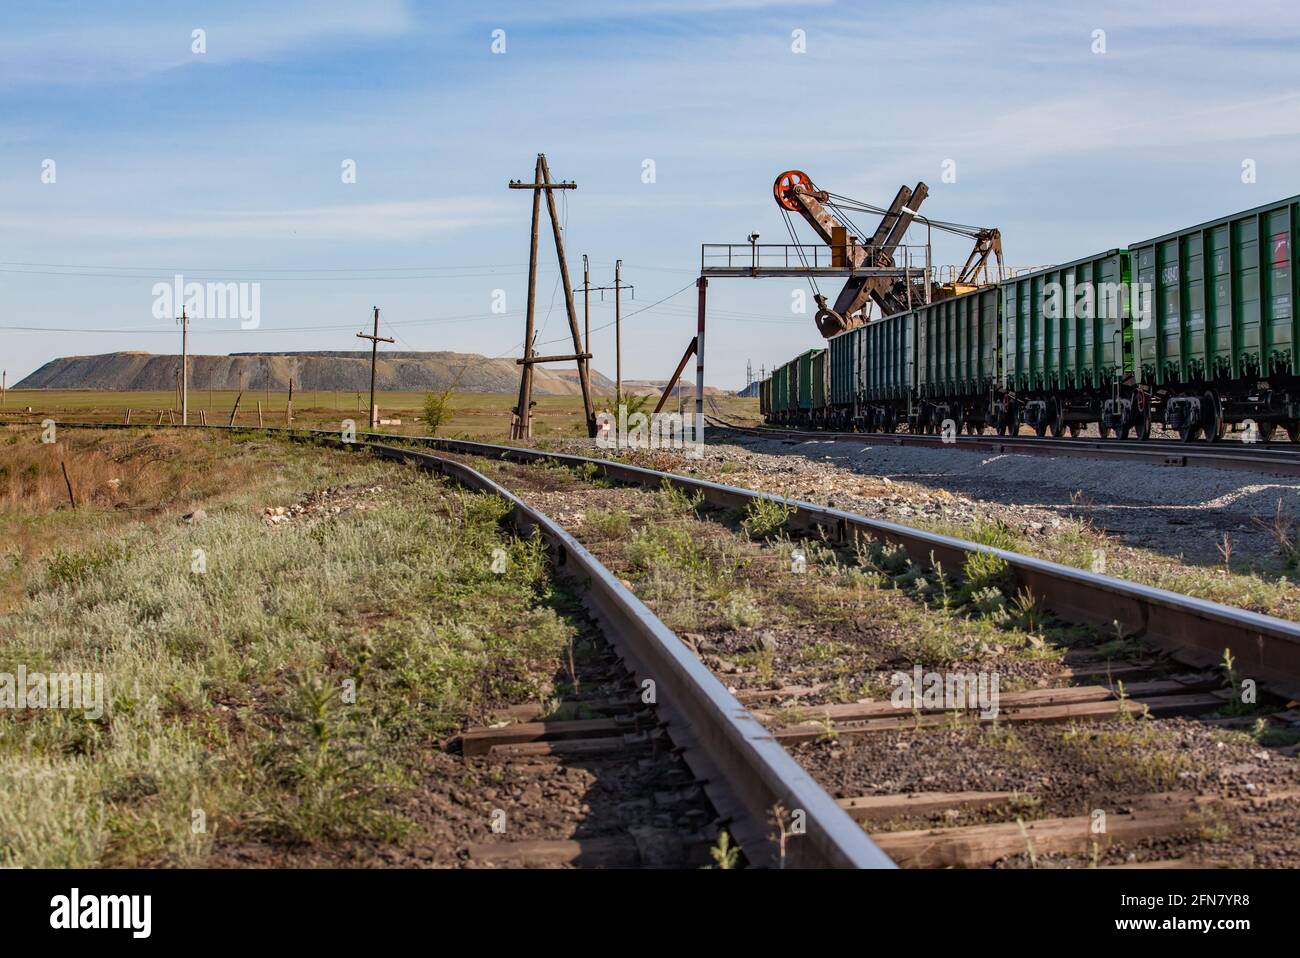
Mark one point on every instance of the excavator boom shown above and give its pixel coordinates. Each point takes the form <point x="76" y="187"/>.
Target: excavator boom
<point x="795" y="193"/>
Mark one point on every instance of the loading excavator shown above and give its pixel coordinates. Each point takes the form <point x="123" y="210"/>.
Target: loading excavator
<point x="896" y="288"/>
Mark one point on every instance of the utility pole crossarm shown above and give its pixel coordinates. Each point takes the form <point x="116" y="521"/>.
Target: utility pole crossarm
<point x="517" y="185"/>
<point x="568" y="357"/>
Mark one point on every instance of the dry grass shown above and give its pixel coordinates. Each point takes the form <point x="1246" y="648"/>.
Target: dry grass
<point x="115" y="477"/>
<point x="468" y="415"/>
<point x="103" y="470"/>
<point x="224" y="687"/>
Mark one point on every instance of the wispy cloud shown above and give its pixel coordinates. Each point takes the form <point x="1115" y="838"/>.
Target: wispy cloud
<point x="369" y="222"/>
<point x="131" y="43"/>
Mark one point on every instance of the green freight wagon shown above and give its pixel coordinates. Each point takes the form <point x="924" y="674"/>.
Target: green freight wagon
<point x="887" y="370"/>
<point x="819" y="387"/>
<point x="1217" y="338"/>
<point x="957" y="344"/>
<point x="1066" y="339"/>
<point x="802" y="389"/>
<point x="844" y="384"/>
<point x="764" y="385"/>
<point x="779" y="393"/>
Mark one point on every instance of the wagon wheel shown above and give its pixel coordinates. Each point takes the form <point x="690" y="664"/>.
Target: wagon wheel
<point x="1104" y="431"/>
<point x="1215" y="427"/>
<point x="1267" y="430"/>
<point x="1293" y="430"/>
<point x="786" y="182"/>
<point x="1075" y="429"/>
<point x="1142" y="420"/>
<point x="1189" y="433"/>
<point x="1058" y="421"/>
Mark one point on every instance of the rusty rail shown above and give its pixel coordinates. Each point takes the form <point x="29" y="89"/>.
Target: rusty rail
<point x="1195" y="630"/>
<point x="744" y="771"/>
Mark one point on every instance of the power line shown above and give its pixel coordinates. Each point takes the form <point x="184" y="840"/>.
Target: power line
<point x="149" y="330"/>
<point x="229" y="275"/>
<point x="634" y="313"/>
<point x="266" y="269"/>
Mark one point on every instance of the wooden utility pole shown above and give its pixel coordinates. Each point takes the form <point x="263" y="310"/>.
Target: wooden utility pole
<point x="618" y="331"/>
<point x="375" y="340"/>
<point x="4" y="380"/>
<point x="587" y="290"/>
<point x="185" y="368"/>
<point x="288" y="409"/>
<point x="521" y="423"/>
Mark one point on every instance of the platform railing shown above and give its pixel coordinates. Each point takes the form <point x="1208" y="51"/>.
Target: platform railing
<point x="812" y="256"/>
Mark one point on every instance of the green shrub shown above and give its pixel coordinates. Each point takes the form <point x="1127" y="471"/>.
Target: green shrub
<point x="765" y="516"/>
<point x="435" y="410"/>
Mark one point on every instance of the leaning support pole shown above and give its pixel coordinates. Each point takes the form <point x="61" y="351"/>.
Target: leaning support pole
<point x="584" y="374"/>
<point x="677" y="374"/>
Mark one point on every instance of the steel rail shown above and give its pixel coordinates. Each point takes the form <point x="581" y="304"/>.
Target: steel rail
<point x="1194" y="630"/>
<point x="744" y="771"/>
<point x="1276" y="460"/>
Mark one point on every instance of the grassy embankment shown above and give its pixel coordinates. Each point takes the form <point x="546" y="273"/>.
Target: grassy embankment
<point x="226" y="689"/>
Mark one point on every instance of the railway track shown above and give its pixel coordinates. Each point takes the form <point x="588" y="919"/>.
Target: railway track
<point x="1274" y="458"/>
<point x="840" y="741"/>
<point x="744" y="773"/>
<point x="743" y="767"/>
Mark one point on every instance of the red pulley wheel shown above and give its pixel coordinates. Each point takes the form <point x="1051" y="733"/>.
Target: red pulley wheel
<point x="786" y="182"/>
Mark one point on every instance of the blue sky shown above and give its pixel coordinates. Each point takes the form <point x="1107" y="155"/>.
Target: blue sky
<point x="225" y="166"/>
